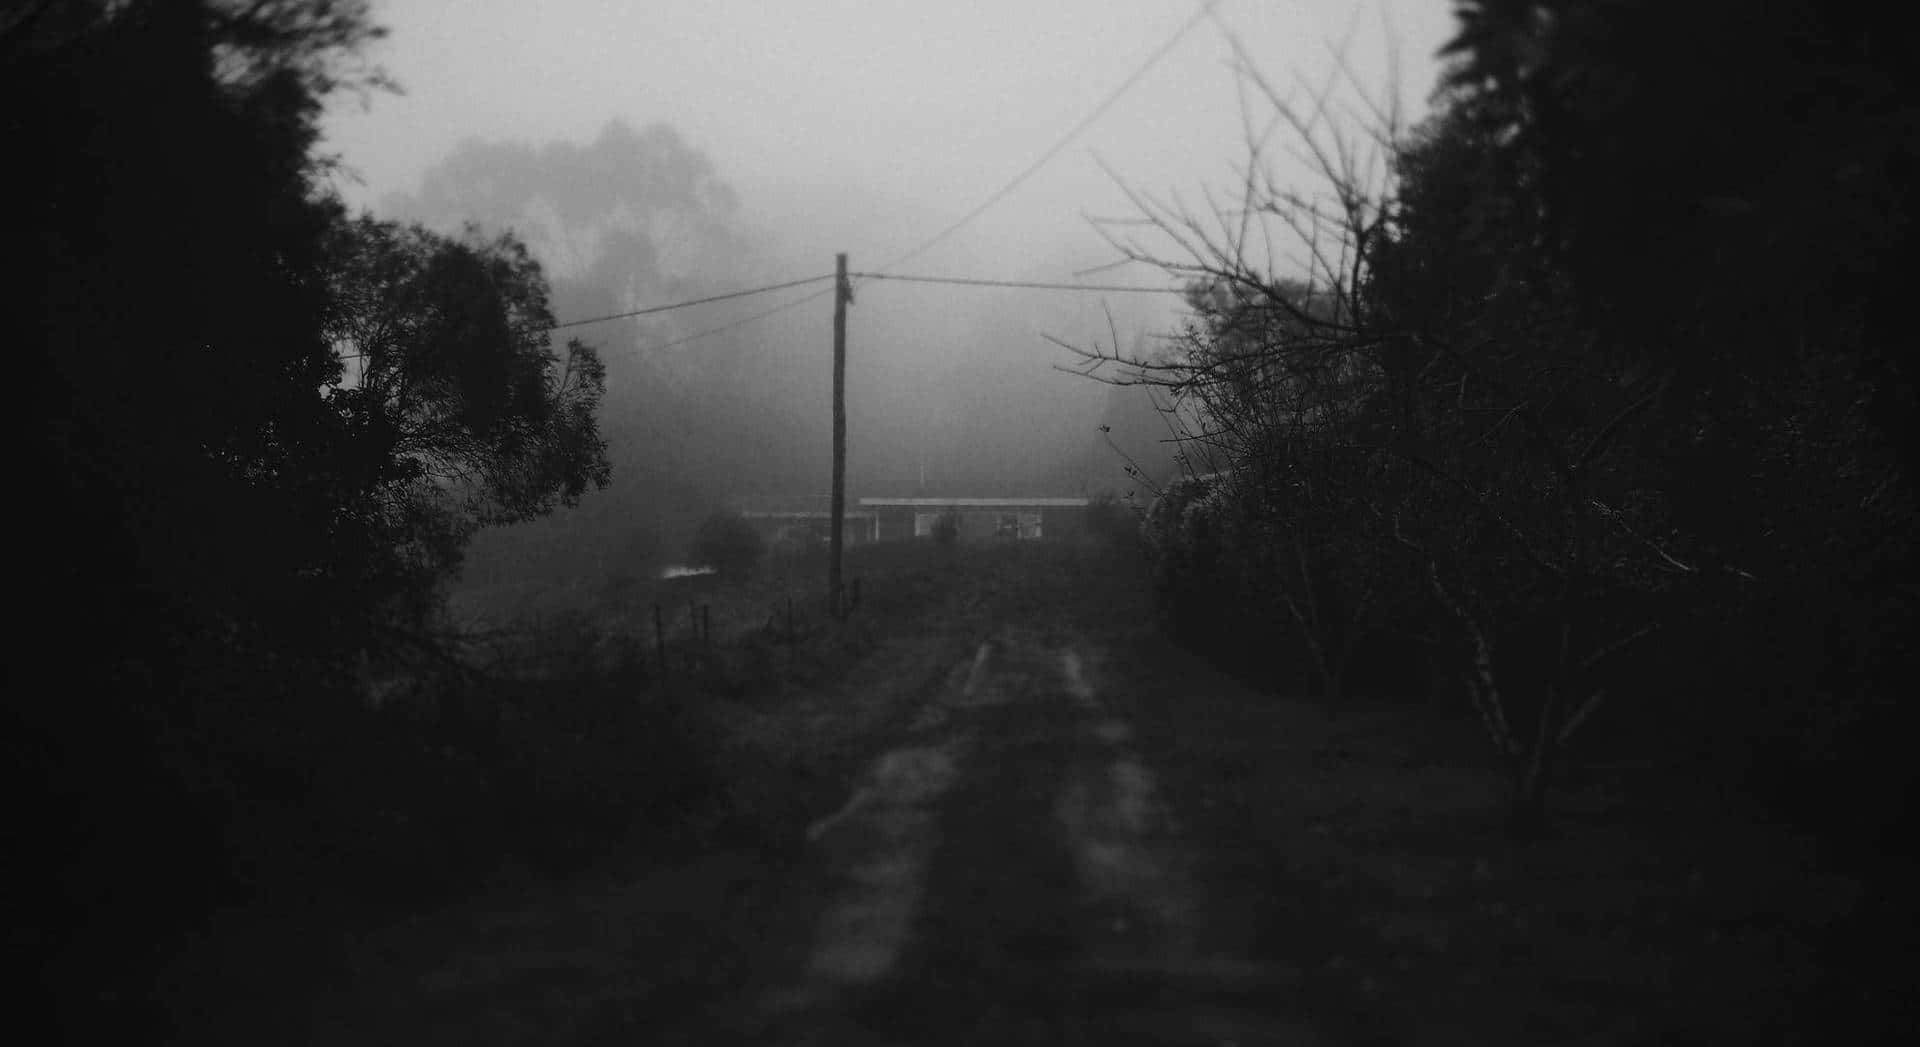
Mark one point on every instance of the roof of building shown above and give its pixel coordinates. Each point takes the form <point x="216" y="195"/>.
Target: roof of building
<point x="973" y="503"/>
<point x="800" y="514"/>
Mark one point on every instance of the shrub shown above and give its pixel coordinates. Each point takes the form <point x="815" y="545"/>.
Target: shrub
<point x="1215" y="576"/>
<point x="727" y="543"/>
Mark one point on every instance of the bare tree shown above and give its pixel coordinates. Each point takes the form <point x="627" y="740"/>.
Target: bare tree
<point x="1407" y="415"/>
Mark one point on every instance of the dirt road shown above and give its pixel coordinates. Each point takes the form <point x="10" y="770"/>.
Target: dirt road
<point x="980" y="851"/>
<point x="1009" y="872"/>
<point x="1001" y="865"/>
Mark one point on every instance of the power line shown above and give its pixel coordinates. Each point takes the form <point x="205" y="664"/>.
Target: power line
<point x="1100" y="110"/>
<point x="784" y="306"/>
<point x="979" y="282"/>
<point x="763" y="314"/>
<point x="695" y="301"/>
<point x="1052" y="151"/>
<point x="817" y="295"/>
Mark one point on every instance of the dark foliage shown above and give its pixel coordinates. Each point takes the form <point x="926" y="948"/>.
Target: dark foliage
<point x="226" y="530"/>
<point x="1597" y="407"/>
<point x="632" y="213"/>
<point x="1763" y="155"/>
<point x="184" y="470"/>
<point x="460" y="415"/>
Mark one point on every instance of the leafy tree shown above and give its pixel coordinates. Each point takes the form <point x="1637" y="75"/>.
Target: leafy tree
<point x="1456" y="395"/>
<point x="222" y="517"/>
<point x="1765" y="150"/>
<point x="174" y="309"/>
<point x="1727" y="188"/>
<point x="1764" y="153"/>
<point x="181" y="474"/>
<point x="630" y="218"/>
<point x="1411" y="427"/>
<point x="461" y="414"/>
<point x="1541" y="536"/>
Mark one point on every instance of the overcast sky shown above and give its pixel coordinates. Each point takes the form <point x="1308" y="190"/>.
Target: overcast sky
<point x="868" y="126"/>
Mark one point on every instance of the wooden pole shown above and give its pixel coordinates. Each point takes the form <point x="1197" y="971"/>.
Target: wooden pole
<point x="843" y="294"/>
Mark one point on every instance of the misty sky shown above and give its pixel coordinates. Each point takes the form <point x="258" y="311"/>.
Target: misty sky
<point x="867" y="126"/>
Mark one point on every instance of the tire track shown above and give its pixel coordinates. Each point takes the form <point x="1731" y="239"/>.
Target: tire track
<point x="1012" y="874"/>
<point x="880" y="843"/>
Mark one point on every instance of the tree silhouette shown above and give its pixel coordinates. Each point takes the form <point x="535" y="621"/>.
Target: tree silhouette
<point x="222" y="519"/>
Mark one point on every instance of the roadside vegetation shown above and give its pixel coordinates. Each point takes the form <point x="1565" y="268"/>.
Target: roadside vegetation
<point x="1352" y="847"/>
<point x="557" y="778"/>
<point x="1577" y="415"/>
<point x="1612" y="452"/>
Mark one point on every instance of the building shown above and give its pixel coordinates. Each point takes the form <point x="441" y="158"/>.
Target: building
<point x="978" y="518"/>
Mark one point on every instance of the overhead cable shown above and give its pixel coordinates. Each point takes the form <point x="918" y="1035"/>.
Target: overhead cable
<point x="979" y="282"/>
<point x="1052" y="151"/>
<point x="694" y="301"/>
<point x="1099" y="111"/>
<point x="761" y="315"/>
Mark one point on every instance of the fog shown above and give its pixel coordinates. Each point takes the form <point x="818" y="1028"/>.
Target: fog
<point x="652" y="154"/>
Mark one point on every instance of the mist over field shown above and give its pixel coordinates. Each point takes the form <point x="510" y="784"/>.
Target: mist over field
<point x="642" y="172"/>
<point x="951" y="391"/>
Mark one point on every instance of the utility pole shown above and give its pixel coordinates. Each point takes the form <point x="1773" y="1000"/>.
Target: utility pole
<point x="842" y="295"/>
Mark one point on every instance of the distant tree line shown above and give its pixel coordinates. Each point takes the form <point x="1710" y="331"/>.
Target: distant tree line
<point x="1589" y="398"/>
<point x="253" y="435"/>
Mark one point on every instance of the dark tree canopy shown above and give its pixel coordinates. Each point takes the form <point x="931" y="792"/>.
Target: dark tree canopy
<point x="1601" y="405"/>
<point x="172" y="312"/>
<point x="629" y="218"/>
<point x="217" y="516"/>
<point x="458" y="413"/>
<point x="1717" y="174"/>
<point x="180" y="473"/>
<point x="448" y="377"/>
<point x="1728" y="188"/>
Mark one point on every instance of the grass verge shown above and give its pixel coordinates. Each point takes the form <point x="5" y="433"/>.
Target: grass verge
<point x="1358" y="849"/>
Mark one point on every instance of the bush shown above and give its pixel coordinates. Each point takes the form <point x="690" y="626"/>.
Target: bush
<point x="1216" y="576"/>
<point x="727" y="543"/>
